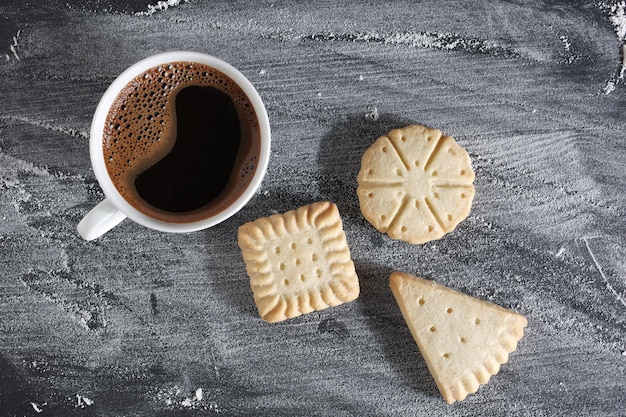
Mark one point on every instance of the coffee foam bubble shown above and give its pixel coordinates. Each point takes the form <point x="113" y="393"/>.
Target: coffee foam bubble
<point x="141" y="125"/>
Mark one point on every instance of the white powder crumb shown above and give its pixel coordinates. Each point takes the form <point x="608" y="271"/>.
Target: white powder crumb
<point x="361" y="77"/>
<point x="319" y="94"/>
<point x="198" y="394"/>
<point x="609" y="87"/>
<point x="262" y="72"/>
<point x="37" y="407"/>
<point x="82" y="402"/>
<point x="13" y="46"/>
<point x="567" y="46"/>
<point x="372" y="114"/>
<point x="195" y="400"/>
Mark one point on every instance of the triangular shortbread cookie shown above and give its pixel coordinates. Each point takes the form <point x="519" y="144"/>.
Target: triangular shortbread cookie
<point x="463" y="340"/>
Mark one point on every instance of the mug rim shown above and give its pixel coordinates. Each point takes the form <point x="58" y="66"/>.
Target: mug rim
<point x="97" y="128"/>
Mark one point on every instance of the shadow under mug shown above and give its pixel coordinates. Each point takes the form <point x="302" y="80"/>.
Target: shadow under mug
<point x="114" y="208"/>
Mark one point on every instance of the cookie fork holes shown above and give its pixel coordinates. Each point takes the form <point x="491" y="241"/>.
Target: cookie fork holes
<point x="432" y="329"/>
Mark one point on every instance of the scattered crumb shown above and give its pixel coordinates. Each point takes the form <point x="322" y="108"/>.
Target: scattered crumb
<point x="372" y="114"/>
<point x="609" y="87"/>
<point x="567" y="46"/>
<point x="82" y="402"/>
<point x="14" y="46"/>
<point x="176" y="398"/>
<point x="38" y="407"/>
<point x="262" y="72"/>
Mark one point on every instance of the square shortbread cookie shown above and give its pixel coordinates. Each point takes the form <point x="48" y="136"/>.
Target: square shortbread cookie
<point x="298" y="261"/>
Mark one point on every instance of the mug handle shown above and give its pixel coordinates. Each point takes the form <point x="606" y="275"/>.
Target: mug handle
<point x="102" y="218"/>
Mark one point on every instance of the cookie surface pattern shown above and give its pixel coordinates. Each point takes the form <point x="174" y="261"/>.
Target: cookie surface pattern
<point x="415" y="184"/>
<point x="463" y="340"/>
<point x="298" y="261"/>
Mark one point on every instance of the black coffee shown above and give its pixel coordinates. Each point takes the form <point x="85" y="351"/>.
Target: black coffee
<point x="181" y="142"/>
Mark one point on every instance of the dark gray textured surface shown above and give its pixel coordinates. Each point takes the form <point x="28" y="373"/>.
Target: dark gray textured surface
<point x="136" y="322"/>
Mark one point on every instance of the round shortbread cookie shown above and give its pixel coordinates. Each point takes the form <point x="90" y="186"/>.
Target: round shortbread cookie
<point x="415" y="184"/>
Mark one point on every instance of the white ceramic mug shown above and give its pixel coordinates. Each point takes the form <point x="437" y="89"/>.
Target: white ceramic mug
<point x="114" y="208"/>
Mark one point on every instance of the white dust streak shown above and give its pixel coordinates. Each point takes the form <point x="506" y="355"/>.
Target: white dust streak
<point x="160" y="6"/>
<point x="599" y="268"/>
